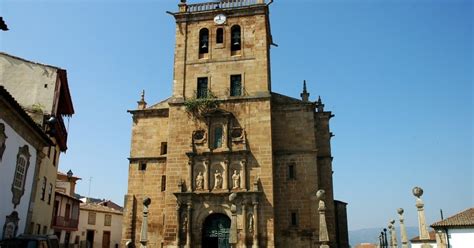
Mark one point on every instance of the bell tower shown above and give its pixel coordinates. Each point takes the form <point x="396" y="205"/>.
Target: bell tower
<point x="226" y="161"/>
<point x="222" y="48"/>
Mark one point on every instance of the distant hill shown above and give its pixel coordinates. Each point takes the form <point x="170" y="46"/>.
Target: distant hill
<point x="371" y="235"/>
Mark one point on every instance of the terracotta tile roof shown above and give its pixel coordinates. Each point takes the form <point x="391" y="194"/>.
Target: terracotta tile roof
<point x="366" y="245"/>
<point x="432" y="237"/>
<point x="98" y="208"/>
<point x="462" y="219"/>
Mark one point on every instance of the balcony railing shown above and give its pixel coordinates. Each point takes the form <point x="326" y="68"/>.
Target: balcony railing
<point x="62" y="222"/>
<point x="224" y="4"/>
<point x="61" y="133"/>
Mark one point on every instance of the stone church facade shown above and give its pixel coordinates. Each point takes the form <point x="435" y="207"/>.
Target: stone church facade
<point x="225" y="161"/>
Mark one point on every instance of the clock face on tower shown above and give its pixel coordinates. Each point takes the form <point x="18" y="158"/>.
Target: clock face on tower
<point x="220" y="19"/>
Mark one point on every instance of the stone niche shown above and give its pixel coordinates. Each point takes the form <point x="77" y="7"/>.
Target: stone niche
<point x="221" y="133"/>
<point x="219" y="173"/>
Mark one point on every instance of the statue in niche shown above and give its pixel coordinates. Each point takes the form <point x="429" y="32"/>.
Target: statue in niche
<point x="217" y="180"/>
<point x="251" y="223"/>
<point x="185" y="223"/>
<point x="199" y="181"/>
<point x="236" y="180"/>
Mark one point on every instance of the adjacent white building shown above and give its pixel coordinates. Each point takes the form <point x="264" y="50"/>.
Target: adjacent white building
<point x="456" y="231"/>
<point x="100" y="225"/>
<point x="21" y="142"/>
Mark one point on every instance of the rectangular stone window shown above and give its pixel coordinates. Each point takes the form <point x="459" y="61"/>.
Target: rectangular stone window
<point x="217" y="137"/>
<point x="291" y="171"/>
<point x="235" y="85"/>
<point x="294" y="219"/>
<point x="43" y="189"/>
<point x="142" y="166"/>
<point x="50" y="193"/>
<point x="164" y="148"/>
<point x="91" y="218"/>
<point x="54" y="156"/>
<point x="108" y="220"/>
<point x="67" y="212"/>
<point x="201" y="87"/>
<point x="163" y="183"/>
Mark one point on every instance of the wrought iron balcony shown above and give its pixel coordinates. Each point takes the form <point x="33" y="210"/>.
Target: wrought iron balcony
<point x="61" y="222"/>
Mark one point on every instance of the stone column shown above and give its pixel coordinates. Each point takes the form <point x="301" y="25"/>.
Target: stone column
<point x="225" y="135"/>
<point x="255" y="223"/>
<point x="206" y="174"/>
<point x="189" y="228"/>
<point x="144" y="232"/>
<point x="233" y="222"/>
<point x="178" y="219"/>
<point x="323" y="229"/>
<point x="243" y="183"/>
<point x="403" y="230"/>
<point x="190" y="176"/>
<point x="244" y="223"/>
<point x="424" y="236"/>
<point x="225" y="175"/>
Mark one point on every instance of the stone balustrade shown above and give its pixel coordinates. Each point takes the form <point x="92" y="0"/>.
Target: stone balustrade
<point x="225" y="4"/>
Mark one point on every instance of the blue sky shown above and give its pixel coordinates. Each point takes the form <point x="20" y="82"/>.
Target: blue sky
<point x="398" y="75"/>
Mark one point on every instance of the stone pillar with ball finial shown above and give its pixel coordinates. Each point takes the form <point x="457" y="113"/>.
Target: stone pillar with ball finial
<point x="403" y="229"/>
<point x="390" y="241"/>
<point x="424" y="236"/>
<point x="393" y="234"/>
<point x="323" y="229"/>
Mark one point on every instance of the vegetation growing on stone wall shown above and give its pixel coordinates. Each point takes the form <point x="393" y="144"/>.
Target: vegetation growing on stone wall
<point x="198" y="106"/>
<point x="37" y="108"/>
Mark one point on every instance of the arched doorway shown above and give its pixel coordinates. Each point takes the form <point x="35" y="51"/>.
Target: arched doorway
<point x="215" y="231"/>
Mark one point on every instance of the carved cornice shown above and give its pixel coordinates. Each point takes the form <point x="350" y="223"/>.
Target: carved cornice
<point x="221" y="197"/>
<point x="214" y="152"/>
<point x="140" y="113"/>
<point x="289" y="152"/>
<point x="260" y="96"/>
<point x="208" y="15"/>
<point x="147" y="159"/>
